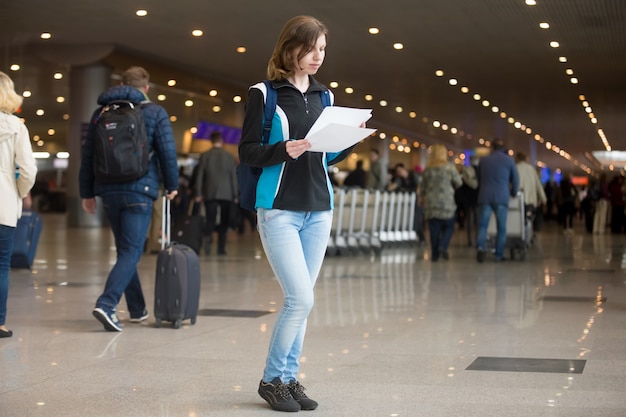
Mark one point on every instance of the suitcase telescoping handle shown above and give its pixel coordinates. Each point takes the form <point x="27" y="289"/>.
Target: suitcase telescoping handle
<point x="166" y="223"/>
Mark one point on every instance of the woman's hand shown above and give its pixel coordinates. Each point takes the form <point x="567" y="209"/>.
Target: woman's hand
<point x="295" y="148"/>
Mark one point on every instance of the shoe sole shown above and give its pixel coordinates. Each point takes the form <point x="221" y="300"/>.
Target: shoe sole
<point x="140" y="319"/>
<point x="103" y="318"/>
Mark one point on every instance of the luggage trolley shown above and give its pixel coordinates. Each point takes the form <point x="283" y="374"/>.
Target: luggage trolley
<point x="518" y="228"/>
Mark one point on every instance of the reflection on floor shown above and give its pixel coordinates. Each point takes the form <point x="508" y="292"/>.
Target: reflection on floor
<point x="390" y="335"/>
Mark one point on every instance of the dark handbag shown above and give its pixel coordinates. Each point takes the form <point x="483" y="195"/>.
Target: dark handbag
<point x="234" y="216"/>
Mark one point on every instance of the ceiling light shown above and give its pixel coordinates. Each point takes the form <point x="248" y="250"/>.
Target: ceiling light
<point x="237" y="99"/>
<point x="57" y="76"/>
<point x="464" y="90"/>
<point x="412" y="115"/>
<point x="188" y="103"/>
<point x="554" y="44"/>
<point x="26" y="93"/>
<point x="197" y="33"/>
<point x="485" y="103"/>
<point x="60" y="99"/>
<point x="476" y="97"/>
<point x="349" y="90"/>
<point x="436" y="123"/>
<point x="213" y="93"/>
<point x="216" y="109"/>
<point x="161" y="97"/>
<point x="141" y="13"/>
<point x="45" y="35"/>
<point x="51" y="132"/>
<point x="241" y="49"/>
<point x="544" y="25"/>
<point x="374" y="31"/>
<point x="333" y="84"/>
<point x="531" y="2"/>
<point x="574" y="80"/>
<point x="63" y="155"/>
<point x="369" y="97"/>
<point x="39" y="112"/>
<point x="398" y="109"/>
<point x="453" y="81"/>
<point x="383" y="103"/>
<point x="398" y="46"/>
<point x="569" y="71"/>
<point x="173" y="119"/>
<point x="171" y="83"/>
<point x="439" y="73"/>
<point x="15" y="67"/>
<point x="495" y="109"/>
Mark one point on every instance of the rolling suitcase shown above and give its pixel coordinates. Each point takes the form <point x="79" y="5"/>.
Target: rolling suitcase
<point x="25" y="239"/>
<point x="177" y="284"/>
<point x="189" y="230"/>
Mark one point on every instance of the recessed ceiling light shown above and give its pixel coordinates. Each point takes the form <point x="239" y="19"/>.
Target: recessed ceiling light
<point x="544" y="25"/>
<point x="349" y="90"/>
<point x="171" y="83"/>
<point x="531" y="2"/>
<point x="188" y="103"/>
<point x="554" y="44"/>
<point x="383" y="103"/>
<point x="453" y="81"/>
<point x="161" y="97"/>
<point x="562" y="59"/>
<point x="57" y="76"/>
<point x="15" y="67"/>
<point x="574" y="80"/>
<point x="241" y="49"/>
<point x="197" y="32"/>
<point x="374" y="31"/>
<point x="216" y="109"/>
<point x="237" y="99"/>
<point x="439" y="73"/>
<point x="141" y="13"/>
<point x="369" y="97"/>
<point x="569" y="71"/>
<point x="46" y="35"/>
<point x="213" y="93"/>
<point x="398" y="46"/>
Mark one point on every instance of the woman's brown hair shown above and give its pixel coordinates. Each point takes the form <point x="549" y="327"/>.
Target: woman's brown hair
<point x="299" y="31"/>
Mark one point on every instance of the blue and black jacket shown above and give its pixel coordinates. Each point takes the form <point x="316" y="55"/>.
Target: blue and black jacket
<point x="300" y="184"/>
<point x="163" y="163"/>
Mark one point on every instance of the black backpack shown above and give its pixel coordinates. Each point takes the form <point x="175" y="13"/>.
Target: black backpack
<point x="121" y="148"/>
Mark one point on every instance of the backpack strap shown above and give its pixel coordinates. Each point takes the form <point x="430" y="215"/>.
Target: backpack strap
<point x="271" y="97"/>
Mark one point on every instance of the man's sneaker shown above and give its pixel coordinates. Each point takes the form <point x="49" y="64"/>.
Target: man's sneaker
<point x="278" y="395"/>
<point x="297" y="392"/>
<point x="144" y="316"/>
<point x="480" y="255"/>
<point x="108" y="319"/>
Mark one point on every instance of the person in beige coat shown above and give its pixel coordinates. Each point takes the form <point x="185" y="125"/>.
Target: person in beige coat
<point x="17" y="176"/>
<point x="529" y="183"/>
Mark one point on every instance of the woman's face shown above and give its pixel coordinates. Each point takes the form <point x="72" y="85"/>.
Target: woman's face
<point x="312" y="61"/>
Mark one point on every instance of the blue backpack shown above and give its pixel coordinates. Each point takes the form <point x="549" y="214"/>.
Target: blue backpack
<point x="247" y="176"/>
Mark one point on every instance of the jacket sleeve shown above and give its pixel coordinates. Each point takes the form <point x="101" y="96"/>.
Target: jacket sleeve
<point x="251" y="151"/>
<point x="86" y="176"/>
<point x="165" y="148"/>
<point x="514" y="178"/>
<point x="25" y="161"/>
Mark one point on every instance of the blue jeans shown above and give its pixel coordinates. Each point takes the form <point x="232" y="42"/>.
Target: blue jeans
<point x="295" y="245"/>
<point x="6" y="248"/>
<point x="129" y="215"/>
<point x="441" y="231"/>
<point x="484" y="212"/>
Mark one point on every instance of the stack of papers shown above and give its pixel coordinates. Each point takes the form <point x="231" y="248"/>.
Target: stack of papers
<point x="338" y="128"/>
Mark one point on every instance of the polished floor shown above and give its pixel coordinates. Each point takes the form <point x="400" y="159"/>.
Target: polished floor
<point x="394" y="335"/>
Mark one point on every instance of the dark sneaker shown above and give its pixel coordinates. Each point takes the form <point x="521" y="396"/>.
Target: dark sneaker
<point x="278" y="395"/>
<point x="297" y="392"/>
<point x="108" y="318"/>
<point x="143" y="317"/>
<point x="480" y="255"/>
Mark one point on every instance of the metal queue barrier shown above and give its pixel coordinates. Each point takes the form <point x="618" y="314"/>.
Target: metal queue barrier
<point x="366" y="221"/>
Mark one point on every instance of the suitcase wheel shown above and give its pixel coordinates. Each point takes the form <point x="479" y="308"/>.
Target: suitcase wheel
<point x="157" y="323"/>
<point x="177" y="324"/>
<point x="193" y="320"/>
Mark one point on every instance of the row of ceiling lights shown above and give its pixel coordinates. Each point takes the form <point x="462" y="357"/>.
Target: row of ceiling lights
<point x="574" y="80"/>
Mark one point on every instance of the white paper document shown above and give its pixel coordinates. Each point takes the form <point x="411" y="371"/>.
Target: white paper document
<point x="337" y="128"/>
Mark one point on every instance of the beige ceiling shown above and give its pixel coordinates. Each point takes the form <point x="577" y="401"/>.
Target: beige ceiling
<point x="494" y="47"/>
